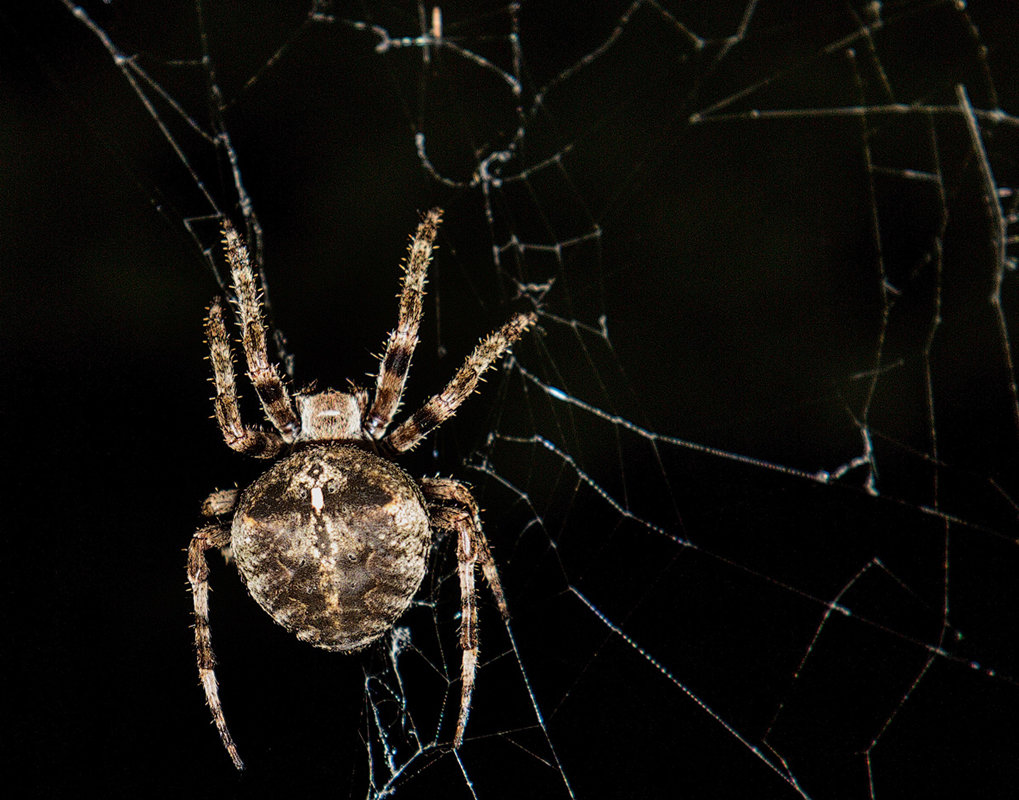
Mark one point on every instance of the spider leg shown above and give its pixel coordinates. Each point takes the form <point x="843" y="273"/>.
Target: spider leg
<point x="442" y="406"/>
<point x="253" y="442"/>
<point x="265" y="377"/>
<point x="205" y="538"/>
<point x="452" y="507"/>
<point x="220" y="502"/>
<point x="395" y="364"/>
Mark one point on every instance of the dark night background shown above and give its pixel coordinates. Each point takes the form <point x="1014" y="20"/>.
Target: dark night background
<point x="735" y="270"/>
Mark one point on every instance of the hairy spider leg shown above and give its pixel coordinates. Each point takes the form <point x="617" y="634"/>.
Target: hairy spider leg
<point x="250" y="441"/>
<point x="442" y="406"/>
<point x="395" y="363"/>
<point x="206" y="538"/>
<point x="264" y="374"/>
<point x="452" y="507"/>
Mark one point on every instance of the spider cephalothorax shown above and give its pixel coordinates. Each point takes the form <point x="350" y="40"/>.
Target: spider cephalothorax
<point x="332" y="540"/>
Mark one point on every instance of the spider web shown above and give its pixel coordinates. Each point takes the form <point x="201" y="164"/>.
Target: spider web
<point x="752" y="488"/>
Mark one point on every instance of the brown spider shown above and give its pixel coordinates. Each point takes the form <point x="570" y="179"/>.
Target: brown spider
<point x="331" y="541"/>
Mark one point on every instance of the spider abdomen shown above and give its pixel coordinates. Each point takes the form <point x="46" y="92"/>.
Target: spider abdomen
<point x="332" y="542"/>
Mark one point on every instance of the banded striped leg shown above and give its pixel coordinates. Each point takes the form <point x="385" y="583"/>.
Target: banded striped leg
<point x="442" y="406"/>
<point x="395" y="364"/>
<point x="265" y="377"/>
<point x="205" y="538"/>
<point x="452" y="507"/>
<point x="251" y="441"/>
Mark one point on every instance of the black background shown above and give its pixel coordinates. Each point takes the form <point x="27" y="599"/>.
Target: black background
<point x="736" y="272"/>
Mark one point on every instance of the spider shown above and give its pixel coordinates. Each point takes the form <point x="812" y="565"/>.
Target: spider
<point x="331" y="541"/>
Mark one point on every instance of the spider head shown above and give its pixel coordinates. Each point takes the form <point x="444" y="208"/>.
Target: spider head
<point x="332" y="416"/>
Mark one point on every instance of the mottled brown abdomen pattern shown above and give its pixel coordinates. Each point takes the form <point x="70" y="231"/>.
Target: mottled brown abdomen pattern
<point x="332" y="542"/>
